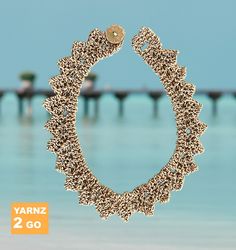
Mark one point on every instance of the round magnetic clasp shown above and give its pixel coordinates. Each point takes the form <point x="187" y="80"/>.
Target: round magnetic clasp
<point x="115" y="34"/>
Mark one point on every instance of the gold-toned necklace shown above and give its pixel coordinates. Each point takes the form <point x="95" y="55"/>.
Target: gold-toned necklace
<point x="65" y="142"/>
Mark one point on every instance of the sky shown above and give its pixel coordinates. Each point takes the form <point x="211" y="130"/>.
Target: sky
<point x="36" y="34"/>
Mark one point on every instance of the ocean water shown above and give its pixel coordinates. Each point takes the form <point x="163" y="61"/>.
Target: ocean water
<point x="123" y="153"/>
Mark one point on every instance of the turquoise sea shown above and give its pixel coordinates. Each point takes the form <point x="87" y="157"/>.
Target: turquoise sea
<point x="122" y="152"/>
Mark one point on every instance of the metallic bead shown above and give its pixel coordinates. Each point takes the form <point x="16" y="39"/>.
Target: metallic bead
<point x="115" y="34"/>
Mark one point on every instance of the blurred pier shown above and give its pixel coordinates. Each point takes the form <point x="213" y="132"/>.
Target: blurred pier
<point x="120" y="95"/>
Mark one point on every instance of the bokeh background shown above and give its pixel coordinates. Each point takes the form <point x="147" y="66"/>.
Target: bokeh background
<point x="122" y="151"/>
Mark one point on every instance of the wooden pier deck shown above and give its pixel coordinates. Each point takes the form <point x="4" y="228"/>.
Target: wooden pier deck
<point x="119" y="94"/>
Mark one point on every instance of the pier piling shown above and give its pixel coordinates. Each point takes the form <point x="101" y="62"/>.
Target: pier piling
<point x="121" y="95"/>
<point x="214" y="95"/>
<point x="1" y="95"/>
<point x="87" y="95"/>
<point x="28" y="95"/>
<point x="155" y="96"/>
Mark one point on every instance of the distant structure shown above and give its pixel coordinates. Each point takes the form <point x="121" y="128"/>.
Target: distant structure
<point x="89" y="92"/>
<point x="89" y="82"/>
<point x="26" y="90"/>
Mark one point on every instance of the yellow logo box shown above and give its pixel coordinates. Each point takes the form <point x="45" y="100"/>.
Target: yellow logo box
<point x="29" y="218"/>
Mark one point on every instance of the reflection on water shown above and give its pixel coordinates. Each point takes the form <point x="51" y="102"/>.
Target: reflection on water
<point x="122" y="153"/>
<point x="26" y="151"/>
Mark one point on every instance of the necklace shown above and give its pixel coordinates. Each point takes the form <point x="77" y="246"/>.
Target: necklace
<point x="65" y="142"/>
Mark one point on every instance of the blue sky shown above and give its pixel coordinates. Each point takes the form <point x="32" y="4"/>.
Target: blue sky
<point x="35" y="34"/>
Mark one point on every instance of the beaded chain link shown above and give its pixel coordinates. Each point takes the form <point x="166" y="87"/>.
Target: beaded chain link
<point x="62" y="125"/>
